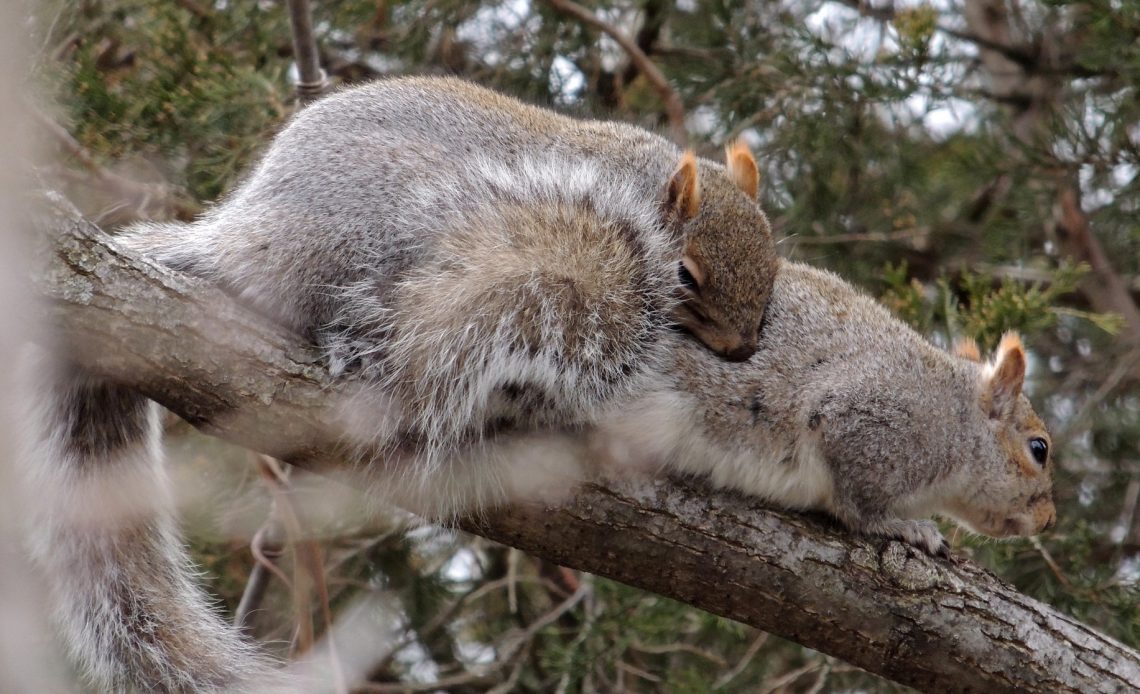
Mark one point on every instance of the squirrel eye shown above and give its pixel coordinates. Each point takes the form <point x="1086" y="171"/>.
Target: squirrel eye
<point x="1040" y="450"/>
<point x="687" y="280"/>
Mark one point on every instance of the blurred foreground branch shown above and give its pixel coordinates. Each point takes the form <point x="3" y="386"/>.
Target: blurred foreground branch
<point x="934" y="625"/>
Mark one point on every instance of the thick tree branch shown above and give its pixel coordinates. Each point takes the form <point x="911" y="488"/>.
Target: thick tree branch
<point x="932" y="624"/>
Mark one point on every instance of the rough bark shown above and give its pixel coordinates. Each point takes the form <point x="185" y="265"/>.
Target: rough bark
<point x="932" y="624"/>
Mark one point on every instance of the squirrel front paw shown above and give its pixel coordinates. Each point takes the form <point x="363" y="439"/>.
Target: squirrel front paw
<point x="923" y="534"/>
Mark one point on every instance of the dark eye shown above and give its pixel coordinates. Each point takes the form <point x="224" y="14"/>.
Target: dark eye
<point x="1040" y="450"/>
<point x="687" y="280"/>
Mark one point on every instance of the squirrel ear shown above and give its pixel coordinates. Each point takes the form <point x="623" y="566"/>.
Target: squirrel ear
<point x="742" y="167"/>
<point x="683" y="192"/>
<point x="967" y="348"/>
<point x="1007" y="375"/>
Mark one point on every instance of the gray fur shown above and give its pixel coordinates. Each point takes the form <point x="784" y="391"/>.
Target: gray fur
<point x="122" y="584"/>
<point x="845" y="409"/>
<point x="364" y="195"/>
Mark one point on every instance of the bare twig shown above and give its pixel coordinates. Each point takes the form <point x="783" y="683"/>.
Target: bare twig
<point x="1051" y="563"/>
<point x="1106" y="291"/>
<point x="743" y="663"/>
<point x="145" y="198"/>
<point x="863" y="237"/>
<point x="657" y="649"/>
<point x="267" y="546"/>
<point x="674" y="107"/>
<point x="311" y="79"/>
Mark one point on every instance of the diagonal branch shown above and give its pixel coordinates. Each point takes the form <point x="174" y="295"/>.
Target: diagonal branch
<point x="935" y="625"/>
<point x="1105" y="289"/>
<point x="674" y="108"/>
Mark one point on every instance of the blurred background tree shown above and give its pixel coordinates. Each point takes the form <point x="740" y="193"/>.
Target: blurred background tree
<point x="976" y="163"/>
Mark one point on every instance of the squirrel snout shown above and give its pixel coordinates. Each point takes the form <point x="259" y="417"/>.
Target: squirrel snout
<point x="741" y="352"/>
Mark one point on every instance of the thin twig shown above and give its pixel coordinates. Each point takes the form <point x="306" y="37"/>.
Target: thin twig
<point x="311" y="79"/>
<point x="674" y="107"/>
<point x="744" y="662"/>
<point x="142" y="195"/>
<point x="787" y="678"/>
<point x="637" y="672"/>
<point x="658" y="649"/>
<point x="1105" y="289"/>
<point x="1051" y="563"/>
<point x="511" y="654"/>
<point x="864" y="237"/>
<point x="267" y="547"/>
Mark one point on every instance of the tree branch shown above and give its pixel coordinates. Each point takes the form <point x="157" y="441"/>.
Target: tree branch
<point x="931" y="624"/>
<point x="674" y="108"/>
<point x="1107" y="291"/>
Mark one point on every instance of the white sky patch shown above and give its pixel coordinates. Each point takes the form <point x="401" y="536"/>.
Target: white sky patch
<point x="566" y="81"/>
<point x="860" y="37"/>
<point x="486" y="29"/>
<point x="1129" y="572"/>
<point x="462" y="566"/>
<point x="702" y="121"/>
<point x="867" y="40"/>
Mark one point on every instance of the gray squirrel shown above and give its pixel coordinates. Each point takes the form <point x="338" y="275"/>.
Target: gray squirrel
<point x="487" y="263"/>
<point x="839" y="406"/>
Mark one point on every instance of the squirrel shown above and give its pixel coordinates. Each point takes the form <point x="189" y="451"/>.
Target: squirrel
<point x="847" y="410"/>
<point x="486" y="263"/>
<point x="843" y="408"/>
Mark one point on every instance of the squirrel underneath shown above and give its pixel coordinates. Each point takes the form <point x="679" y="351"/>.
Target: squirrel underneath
<point x="838" y="407"/>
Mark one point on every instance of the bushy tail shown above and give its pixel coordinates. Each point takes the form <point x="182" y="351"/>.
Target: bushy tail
<point x="121" y="582"/>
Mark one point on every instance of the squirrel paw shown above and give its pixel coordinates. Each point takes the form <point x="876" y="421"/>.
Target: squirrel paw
<point x="923" y="534"/>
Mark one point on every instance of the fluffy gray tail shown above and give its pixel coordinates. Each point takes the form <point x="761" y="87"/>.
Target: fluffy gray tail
<point x="121" y="581"/>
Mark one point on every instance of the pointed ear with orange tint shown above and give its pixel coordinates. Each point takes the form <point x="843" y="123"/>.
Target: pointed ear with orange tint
<point x="967" y="348"/>
<point x="1007" y="376"/>
<point x="683" y="191"/>
<point x="742" y="168"/>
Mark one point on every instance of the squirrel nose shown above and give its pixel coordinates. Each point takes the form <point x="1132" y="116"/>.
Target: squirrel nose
<point x="739" y="353"/>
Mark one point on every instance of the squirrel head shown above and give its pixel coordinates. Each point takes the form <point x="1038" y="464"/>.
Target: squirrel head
<point x="1008" y="488"/>
<point x="728" y="258"/>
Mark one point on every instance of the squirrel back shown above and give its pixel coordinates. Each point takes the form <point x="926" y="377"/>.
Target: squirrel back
<point x="333" y="201"/>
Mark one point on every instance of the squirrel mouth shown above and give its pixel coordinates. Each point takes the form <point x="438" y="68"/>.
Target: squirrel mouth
<point x="1021" y="525"/>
